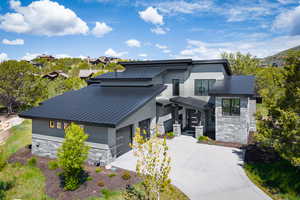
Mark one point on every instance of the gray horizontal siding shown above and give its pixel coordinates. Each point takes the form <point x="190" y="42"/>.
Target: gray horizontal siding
<point x="96" y="134"/>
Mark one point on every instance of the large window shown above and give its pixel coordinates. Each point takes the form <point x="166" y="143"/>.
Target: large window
<point x="175" y="87"/>
<point x="231" y="107"/>
<point x="202" y="86"/>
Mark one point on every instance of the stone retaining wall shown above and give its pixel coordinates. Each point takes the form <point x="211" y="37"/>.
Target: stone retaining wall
<point x="46" y="146"/>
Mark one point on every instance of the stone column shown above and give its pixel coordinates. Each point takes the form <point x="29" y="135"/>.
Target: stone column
<point x="198" y="131"/>
<point x="177" y="129"/>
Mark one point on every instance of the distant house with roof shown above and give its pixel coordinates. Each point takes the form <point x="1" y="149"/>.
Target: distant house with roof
<point x="191" y="97"/>
<point x="55" y="74"/>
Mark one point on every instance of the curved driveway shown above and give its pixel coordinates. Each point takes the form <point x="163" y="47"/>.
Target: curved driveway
<point x="205" y="172"/>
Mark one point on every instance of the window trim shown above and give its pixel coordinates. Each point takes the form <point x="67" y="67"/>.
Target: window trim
<point x="59" y="125"/>
<point x="51" y="124"/>
<point x="208" y="83"/>
<point x="174" y="84"/>
<point x="231" y="107"/>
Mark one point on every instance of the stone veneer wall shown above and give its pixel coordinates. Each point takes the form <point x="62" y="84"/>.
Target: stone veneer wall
<point x="46" y="146"/>
<point x="252" y="112"/>
<point x="232" y="128"/>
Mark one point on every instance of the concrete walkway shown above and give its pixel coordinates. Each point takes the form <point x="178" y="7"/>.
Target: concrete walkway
<point x="205" y="172"/>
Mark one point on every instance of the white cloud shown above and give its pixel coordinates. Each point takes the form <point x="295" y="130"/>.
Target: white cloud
<point x="261" y="48"/>
<point x="62" y="56"/>
<point x="161" y="46"/>
<point x="112" y="53"/>
<point x="13" y="42"/>
<point x="30" y="56"/>
<point x="3" y="57"/>
<point x="133" y="43"/>
<point x="143" y="55"/>
<point x="159" y="30"/>
<point x="151" y="15"/>
<point x="42" y="17"/>
<point x="289" y="20"/>
<point x="101" y="29"/>
<point x="172" y="7"/>
<point x="286" y="1"/>
<point x="167" y="51"/>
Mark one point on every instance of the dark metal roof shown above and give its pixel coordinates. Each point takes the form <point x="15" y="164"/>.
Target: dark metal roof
<point x="216" y="61"/>
<point x="147" y="62"/>
<point x="105" y="106"/>
<point x="190" y="101"/>
<point x="141" y="73"/>
<point x="163" y="101"/>
<point x="234" y="85"/>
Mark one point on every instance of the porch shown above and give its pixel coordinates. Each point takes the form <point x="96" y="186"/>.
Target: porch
<point x="192" y="113"/>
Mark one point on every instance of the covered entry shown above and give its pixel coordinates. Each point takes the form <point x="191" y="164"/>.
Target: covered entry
<point x="124" y="138"/>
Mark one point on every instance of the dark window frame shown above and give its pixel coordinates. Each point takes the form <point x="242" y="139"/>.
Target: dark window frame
<point x="176" y="87"/>
<point x="233" y="107"/>
<point x="203" y="86"/>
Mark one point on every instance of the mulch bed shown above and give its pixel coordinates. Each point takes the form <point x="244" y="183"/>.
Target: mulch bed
<point x="88" y="189"/>
<point x="255" y="153"/>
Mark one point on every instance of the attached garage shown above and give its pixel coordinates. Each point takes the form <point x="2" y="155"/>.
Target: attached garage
<point x="124" y="138"/>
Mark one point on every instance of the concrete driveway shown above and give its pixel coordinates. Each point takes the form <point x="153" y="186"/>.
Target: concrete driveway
<point x="205" y="172"/>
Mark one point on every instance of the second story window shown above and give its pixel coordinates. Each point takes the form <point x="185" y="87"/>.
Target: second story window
<point x="175" y="87"/>
<point x="202" y="86"/>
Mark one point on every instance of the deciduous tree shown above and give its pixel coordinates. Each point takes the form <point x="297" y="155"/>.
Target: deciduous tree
<point x="153" y="164"/>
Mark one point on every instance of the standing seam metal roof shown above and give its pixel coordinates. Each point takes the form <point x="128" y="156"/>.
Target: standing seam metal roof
<point x="106" y="106"/>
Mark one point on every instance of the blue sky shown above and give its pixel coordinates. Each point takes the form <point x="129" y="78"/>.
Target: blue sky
<point x="147" y="29"/>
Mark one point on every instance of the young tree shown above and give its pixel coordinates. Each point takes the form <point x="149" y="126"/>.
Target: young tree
<point x="72" y="155"/>
<point x="153" y="164"/>
<point x="280" y="129"/>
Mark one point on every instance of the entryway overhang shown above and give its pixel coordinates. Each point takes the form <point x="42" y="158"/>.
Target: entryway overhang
<point x="190" y="102"/>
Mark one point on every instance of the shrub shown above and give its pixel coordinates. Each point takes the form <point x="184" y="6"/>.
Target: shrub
<point x="53" y="165"/>
<point x="89" y="178"/>
<point x="100" y="184"/>
<point x="170" y="134"/>
<point x="203" y="138"/>
<point x="4" y="186"/>
<point x="72" y="155"/>
<point x="98" y="170"/>
<point x="126" y="176"/>
<point x="32" y="161"/>
<point x="112" y="175"/>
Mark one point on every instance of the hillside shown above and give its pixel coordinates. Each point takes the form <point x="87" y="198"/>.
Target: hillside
<point x="277" y="59"/>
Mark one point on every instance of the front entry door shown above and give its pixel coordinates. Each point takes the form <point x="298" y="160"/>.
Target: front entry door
<point x="193" y="118"/>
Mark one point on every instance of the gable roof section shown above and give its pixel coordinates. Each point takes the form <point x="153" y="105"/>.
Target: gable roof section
<point x="104" y="106"/>
<point x="234" y="85"/>
<point x="190" y="101"/>
<point x="141" y="73"/>
<point x="224" y="62"/>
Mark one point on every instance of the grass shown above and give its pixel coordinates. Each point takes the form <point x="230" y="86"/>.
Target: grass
<point x="172" y="193"/>
<point x="29" y="182"/>
<point x="20" y="137"/>
<point x="280" y="180"/>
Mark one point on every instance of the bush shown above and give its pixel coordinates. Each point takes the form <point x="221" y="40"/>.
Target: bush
<point x="4" y="186"/>
<point x="53" y="165"/>
<point x="100" y="184"/>
<point x="112" y="175"/>
<point x="72" y="155"/>
<point x="126" y="176"/>
<point x="170" y="134"/>
<point x="89" y="178"/>
<point x="98" y="170"/>
<point x="32" y="161"/>
<point x="203" y="138"/>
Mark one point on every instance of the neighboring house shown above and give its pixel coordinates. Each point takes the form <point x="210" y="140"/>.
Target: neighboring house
<point x="55" y="74"/>
<point x="191" y="95"/>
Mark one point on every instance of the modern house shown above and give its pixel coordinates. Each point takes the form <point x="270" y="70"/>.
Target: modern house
<point x="184" y="95"/>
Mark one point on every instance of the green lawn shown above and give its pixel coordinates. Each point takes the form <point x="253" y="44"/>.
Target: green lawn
<point x="280" y="180"/>
<point x="172" y="193"/>
<point x="20" y="137"/>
